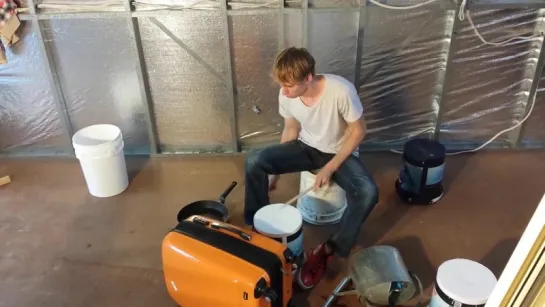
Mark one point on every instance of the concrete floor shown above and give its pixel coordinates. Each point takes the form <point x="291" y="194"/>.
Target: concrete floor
<point x="59" y="246"/>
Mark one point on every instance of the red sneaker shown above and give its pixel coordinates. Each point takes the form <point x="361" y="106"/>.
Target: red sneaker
<point x="314" y="268"/>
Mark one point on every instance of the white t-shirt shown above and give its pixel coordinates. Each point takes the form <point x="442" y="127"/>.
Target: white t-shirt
<point x="323" y="125"/>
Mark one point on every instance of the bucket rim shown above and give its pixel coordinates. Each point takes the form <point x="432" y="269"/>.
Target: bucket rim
<point x="100" y="153"/>
<point x="366" y="250"/>
<point x="324" y="219"/>
<point x="457" y="266"/>
<point x="263" y="224"/>
<point x="83" y="138"/>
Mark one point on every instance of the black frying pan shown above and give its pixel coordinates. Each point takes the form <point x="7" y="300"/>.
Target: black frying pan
<point x="209" y="208"/>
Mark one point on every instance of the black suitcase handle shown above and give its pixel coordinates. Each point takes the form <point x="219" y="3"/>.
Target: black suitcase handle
<point x="215" y="225"/>
<point x="240" y="233"/>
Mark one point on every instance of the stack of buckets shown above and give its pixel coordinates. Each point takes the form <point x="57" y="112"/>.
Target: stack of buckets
<point x="99" y="149"/>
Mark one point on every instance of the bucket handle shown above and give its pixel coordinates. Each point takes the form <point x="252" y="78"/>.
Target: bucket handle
<point x="339" y="290"/>
<point x="420" y="287"/>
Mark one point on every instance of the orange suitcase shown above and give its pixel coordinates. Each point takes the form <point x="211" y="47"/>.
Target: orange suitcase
<point x="207" y="263"/>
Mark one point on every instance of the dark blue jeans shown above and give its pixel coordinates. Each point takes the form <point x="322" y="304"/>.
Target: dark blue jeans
<point x="295" y="156"/>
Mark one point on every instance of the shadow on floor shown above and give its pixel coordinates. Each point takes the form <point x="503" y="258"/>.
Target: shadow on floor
<point x="300" y="298"/>
<point x="453" y="169"/>
<point x="135" y="164"/>
<point x="384" y="221"/>
<point x="499" y="255"/>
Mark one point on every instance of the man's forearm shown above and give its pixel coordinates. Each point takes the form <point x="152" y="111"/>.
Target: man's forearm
<point x="353" y="141"/>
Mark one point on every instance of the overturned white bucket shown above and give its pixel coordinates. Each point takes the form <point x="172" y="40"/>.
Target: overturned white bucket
<point x="99" y="149"/>
<point x="462" y="283"/>
<point x="283" y="223"/>
<point x="325" y="206"/>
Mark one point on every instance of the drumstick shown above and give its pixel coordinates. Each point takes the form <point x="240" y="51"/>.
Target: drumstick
<point x="300" y="194"/>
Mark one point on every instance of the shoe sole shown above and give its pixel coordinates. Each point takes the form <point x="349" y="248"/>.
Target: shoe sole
<point x="300" y="282"/>
<point x="298" y="278"/>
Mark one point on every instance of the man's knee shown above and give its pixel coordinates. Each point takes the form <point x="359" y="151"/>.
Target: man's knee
<point x="366" y="191"/>
<point x="254" y="160"/>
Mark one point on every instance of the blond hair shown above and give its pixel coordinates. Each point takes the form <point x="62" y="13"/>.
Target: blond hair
<point x="293" y="65"/>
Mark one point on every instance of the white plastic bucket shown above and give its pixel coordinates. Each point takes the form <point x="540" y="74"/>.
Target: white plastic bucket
<point x="326" y="206"/>
<point x="462" y="283"/>
<point x="283" y="223"/>
<point x="99" y="149"/>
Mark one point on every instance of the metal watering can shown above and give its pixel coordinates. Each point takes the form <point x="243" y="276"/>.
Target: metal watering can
<point x="379" y="277"/>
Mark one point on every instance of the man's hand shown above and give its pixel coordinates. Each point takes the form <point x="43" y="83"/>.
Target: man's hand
<point x="273" y="179"/>
<point x="323" y="177"/>
<point x="354" y="136"/>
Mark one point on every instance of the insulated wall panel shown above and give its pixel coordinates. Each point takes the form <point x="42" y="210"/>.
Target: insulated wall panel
<point x="332" y="3"/>
<point x="403" y="54"/>
<point x="255" y="45"/>
<point x="186" y="65"/>
<point x="486" y="89"/>
<point x="534" y="132"/>
<point x="87" y="2"/>
<point x="51" y="6"/>
<point x="293" y="30"/>
<point x="98" y="77"/>
<point x="72" y="4"/>
<point x="332" y="42"/>
<point x="28" y="116"/>
<point x="249" y="4"/>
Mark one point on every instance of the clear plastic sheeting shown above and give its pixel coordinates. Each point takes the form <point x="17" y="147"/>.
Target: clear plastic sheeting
<point x="249" y="4"/>
<point x="77" y="2"/>
<point x="29" y="120"/>
<point x="80" y="5"/>
<point x="332" y="3"/>
<point x="400" y="72"/>
<point x="151" y="5"/>
<point x="486" y="90"/>
<point x="333" y="42"/>
<point x="534" y="132"/>
<point x="97" y="72"/>
<point x="403" y="55"/>
<point x="255" y="45"/>
<point x="293" y="3"/>
<point x="147" y="5"/>
<point x="185" y="59"/>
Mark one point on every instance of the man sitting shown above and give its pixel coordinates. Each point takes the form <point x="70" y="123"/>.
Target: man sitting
<point x="323" y="128"/>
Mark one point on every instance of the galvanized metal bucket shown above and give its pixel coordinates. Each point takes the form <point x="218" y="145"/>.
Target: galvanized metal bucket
<point x="379" y="277"/>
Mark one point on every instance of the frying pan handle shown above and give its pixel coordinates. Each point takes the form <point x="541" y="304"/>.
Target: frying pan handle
<point x="223" y="196"/>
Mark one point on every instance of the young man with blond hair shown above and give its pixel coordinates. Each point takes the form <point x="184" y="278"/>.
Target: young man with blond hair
<point x="323" y="128"/>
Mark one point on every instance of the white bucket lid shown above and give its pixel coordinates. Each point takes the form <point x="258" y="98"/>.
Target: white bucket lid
<point x="97" y="138"/>
<point x="278" y="220"/>
<point x="466" y="281"/>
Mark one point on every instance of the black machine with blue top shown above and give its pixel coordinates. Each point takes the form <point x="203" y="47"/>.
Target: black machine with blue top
<point x="421" y="178"/>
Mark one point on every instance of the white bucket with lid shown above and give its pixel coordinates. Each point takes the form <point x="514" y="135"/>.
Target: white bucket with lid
<point x="462" y="283"/>
<point x="99" y="149"/>
<point x="325" y="206"/>
<point x="283" y="223"/>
